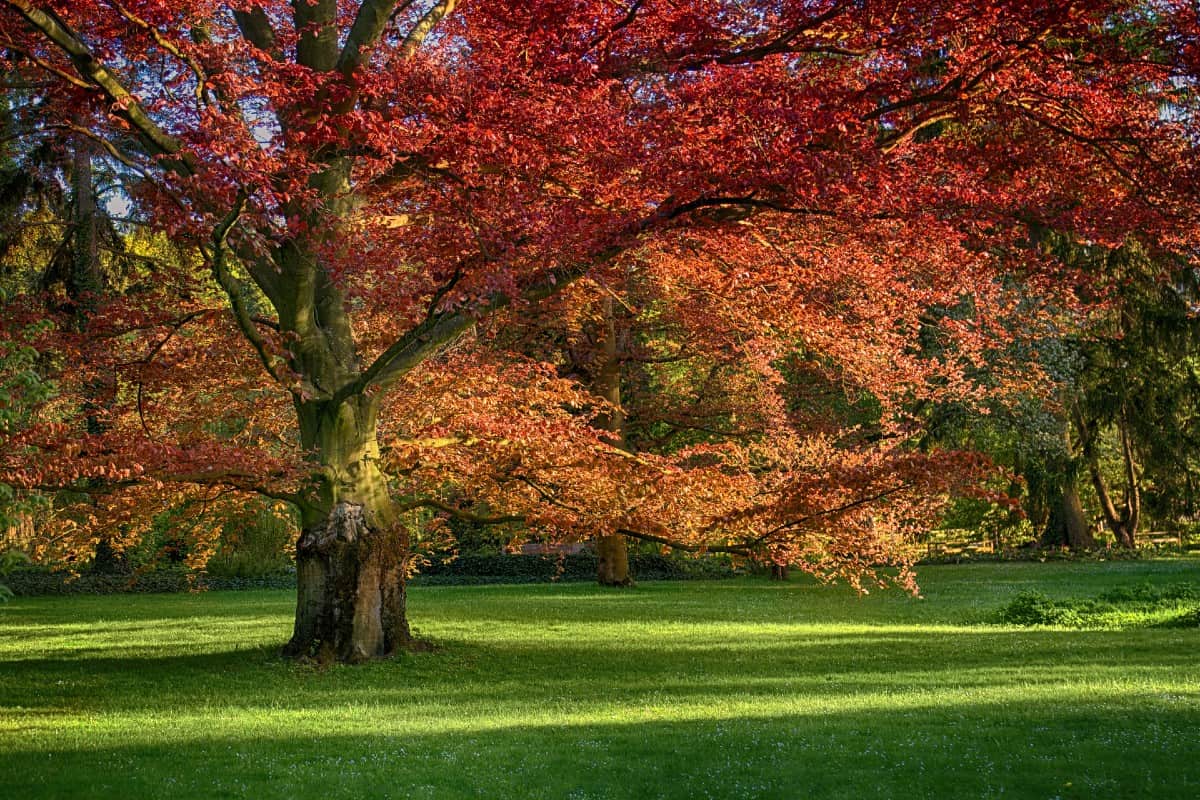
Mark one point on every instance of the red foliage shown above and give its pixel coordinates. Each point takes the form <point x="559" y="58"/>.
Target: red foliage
<point x="786" y="189"/>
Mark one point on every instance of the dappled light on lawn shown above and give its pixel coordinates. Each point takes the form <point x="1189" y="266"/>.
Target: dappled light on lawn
<point x="734" y="689"/>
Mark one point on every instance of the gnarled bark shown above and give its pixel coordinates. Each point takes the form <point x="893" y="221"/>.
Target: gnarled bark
<point x="350" y="603"/>
<point x="350" y="558"/>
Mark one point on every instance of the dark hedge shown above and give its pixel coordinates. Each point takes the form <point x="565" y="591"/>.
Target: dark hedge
<point x="465" y="570"/>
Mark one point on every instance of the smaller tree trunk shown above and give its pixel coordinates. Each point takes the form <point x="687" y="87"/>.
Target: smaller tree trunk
<point x="1123" y="522"/>
<point x="85" y="282"/>
<point x="1078" y="535"/>
<point x="612" y="555"/>
<point x="1067" y="524"/>
<point x="612" y="550"/>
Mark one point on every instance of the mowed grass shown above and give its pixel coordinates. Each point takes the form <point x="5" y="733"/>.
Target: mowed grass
<point x="732" y="689"/>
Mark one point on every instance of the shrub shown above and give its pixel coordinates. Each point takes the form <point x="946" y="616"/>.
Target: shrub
<point x="8" y="562"/>
<point x="1031" y="608"/>
<point x="1144" y="605"/>
<point x="475" y="568"/>
<point x="256" y="546"/>
<point x="472" y="569"/>
<point x="43" y="581"/>
<point x="1190" y="619"/>
<point x="1145" y="593"/>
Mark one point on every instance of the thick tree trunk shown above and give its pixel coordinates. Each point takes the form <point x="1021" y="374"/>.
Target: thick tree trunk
<point x="350" y="603"/>
<point x="350" y="558"/>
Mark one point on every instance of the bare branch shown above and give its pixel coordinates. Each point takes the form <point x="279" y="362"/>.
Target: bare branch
<point x="734" y="549"/>
<point x="892" y="142"/>
<point x="47" y="67"/>
<point x="167" y="45"/>
<point x="440" y="328"/>
<point x="748" y="202"/>
<point x="372" y="18"/>
<point x="784" y="43"/>
<point x="624" y="22"/>
<point x="792" y="524"/>
<point x="416" y="37"/>
<point x="234" y="288"/>
<point x="460" y="513"/>
<point x="109" y="148"/>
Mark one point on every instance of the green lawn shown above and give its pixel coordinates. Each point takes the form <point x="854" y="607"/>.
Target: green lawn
<point x="730" y="689"/>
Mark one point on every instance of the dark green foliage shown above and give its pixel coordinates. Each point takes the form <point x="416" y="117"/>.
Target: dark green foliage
<point x="1141" y="373"/>
<point x="467" y="570"/>
<point x="1032" y="608"/>
<point x="1191" y="620"/>
<point x="22" y="390"/>
<point x="254" y="547"/>
<point x="9" y="561"/>
<point x="35" y="581"/>
<point x="1141" y="605"/>
<point x="43" y="581"/>
<point x="480" y="569"/>
<point x="1148" y="593"/>
<point x="164" y="547"/>
<point x="1042" y="555"/>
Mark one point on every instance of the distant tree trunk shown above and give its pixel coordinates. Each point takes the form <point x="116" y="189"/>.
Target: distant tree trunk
<point x="351" y="603"/>
<point x="1123" y="520"/>
<point x="612" y="554"/>
<point x="612" y="550"/>
<point x="1067" y="524"/>
<point x="84" y="284"/>
<point x="1079" y="535"/>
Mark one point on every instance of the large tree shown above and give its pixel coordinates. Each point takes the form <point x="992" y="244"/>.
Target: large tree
<point x="371" y="182"/>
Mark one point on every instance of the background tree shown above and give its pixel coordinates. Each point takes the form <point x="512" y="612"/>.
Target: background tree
<point x="1136" y="392"/>
<point x="1115" y="355"/>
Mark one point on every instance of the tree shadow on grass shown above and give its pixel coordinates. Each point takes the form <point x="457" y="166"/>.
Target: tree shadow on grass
<point x="510" y="676"/>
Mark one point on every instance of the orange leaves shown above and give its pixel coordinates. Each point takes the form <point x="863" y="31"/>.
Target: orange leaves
<point x="518" y="443"/>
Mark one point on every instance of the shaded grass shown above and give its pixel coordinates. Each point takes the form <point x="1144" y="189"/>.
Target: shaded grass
<point x="725" y="689"/>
